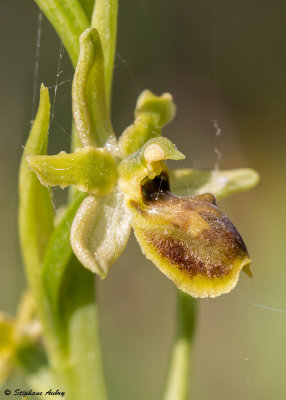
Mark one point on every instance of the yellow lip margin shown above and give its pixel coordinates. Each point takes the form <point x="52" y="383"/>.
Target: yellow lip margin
<point x="198" y="285"/>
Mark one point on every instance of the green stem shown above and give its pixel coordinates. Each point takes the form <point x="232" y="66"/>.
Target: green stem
<point x="179" y="370"/>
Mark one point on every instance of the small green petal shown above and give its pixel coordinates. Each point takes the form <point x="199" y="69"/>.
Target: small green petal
<point x="223" y="183"/>
<point x="100" y="231"/>
<point x="146" y="162"/>
<point x="152" y="112"/>
<point x="137" y="134"/>
<point x="90" y="110"/>
<point x="91" y="170"/>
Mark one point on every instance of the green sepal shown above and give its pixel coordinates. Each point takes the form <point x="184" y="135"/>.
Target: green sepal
<point x="90" y="110"/>
<point x="223" y="183"/>
<point x="146" y="162"/>
<point x="35" y="225"/>
<point x="151" y="113"/>
<point x="89" y="169"/>
<point x="100" y="232"/>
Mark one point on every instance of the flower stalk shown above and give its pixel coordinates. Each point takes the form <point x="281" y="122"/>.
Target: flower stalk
<point x="177" y="384"/>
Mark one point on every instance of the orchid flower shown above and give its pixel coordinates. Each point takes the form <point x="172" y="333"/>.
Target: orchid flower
<point x="123" y="183"/>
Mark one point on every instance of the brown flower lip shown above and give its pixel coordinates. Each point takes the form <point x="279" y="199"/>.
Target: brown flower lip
<point x="189" y="239"/>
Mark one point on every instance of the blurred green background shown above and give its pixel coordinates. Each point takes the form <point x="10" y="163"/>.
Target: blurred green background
<point x="222" y="61"/>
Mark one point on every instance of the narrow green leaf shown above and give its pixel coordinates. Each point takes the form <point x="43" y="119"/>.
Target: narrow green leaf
<point x="104" y="19"/>
<point x="59" y="252"/>
<point x="88" y="93"/>
<point x="69" y="20"/>
<point x="100" y="232"/>
<point x="35" y="208"/>
<point x="151" y="114"/>
<point x="79" y="320"/>
<point x="91" y="170"/>
<point x="223" y="183"/>
<point x="87" y="6"/>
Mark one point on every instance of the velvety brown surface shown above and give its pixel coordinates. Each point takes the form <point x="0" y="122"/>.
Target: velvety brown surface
<point x="171" y="228"/>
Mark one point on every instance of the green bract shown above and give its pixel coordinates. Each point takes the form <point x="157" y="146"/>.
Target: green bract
<point x="127" y="182"/>
<point x="90" y="111"/>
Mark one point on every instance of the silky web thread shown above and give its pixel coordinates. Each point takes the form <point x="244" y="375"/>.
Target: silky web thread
<point x="37" y="64"/>
<point x="217" y="129"/>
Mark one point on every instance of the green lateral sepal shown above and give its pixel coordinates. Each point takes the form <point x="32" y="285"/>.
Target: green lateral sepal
<point x="223" y="183"/>
<point x="151" y="114"/>
<point x="90" y="110"/>
<point x="89" y="169"/>
<point x="146" y="163"/>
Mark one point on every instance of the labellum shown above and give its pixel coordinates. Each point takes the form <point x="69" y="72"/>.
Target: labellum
<point x="188" y="238"/>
